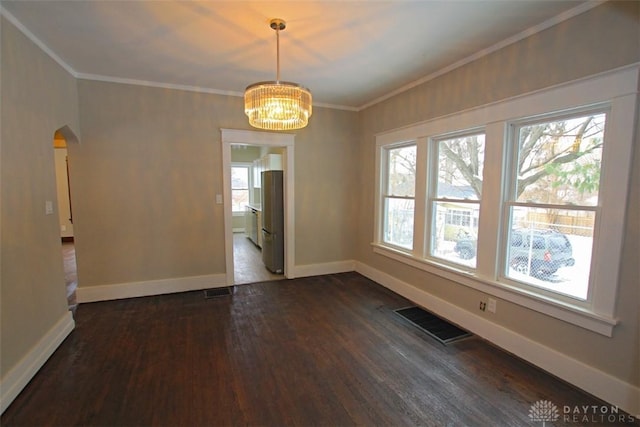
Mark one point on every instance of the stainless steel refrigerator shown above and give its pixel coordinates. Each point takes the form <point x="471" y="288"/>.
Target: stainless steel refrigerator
<point x="273" y="221"/>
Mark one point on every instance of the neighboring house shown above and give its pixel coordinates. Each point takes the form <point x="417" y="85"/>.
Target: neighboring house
<point x="460" y="219"/>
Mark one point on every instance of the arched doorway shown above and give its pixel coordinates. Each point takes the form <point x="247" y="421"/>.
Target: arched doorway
<point x="61" y="139"/>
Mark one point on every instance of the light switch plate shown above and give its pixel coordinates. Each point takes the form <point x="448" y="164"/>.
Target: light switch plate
<point x="219" y="199"/>
<point x="48" y="207"/>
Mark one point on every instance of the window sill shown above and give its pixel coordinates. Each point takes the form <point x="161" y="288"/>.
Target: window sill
<point x="574" y="314"/>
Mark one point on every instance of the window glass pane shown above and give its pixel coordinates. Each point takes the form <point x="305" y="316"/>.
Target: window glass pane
<point x="239" y="199"/>
<point x="401" y="171"/>
<point x="559" y="161"/>
<point x="455" y="232"/>
<point x="239" y="177"/>
<point x="551" y="249"/>
<point x="398" y="222"/>
<point x="460" y="162"/>
<point x="239" y="188"/>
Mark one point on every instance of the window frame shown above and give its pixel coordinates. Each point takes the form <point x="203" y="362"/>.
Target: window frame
<point x="510" y="199"/>
<point x="249" y="167"/>
<point x="384" y="196"/>
<point x="615" y="92"/>
<point x="433" y="168"/>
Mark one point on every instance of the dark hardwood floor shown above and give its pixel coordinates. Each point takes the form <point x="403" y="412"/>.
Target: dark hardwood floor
<point x="324" y="350"/>
<point x="70" y="273"/>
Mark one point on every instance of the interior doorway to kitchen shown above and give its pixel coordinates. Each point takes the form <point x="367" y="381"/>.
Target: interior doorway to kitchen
<point x="244" y="263"/>
<point x="247" y="197"/>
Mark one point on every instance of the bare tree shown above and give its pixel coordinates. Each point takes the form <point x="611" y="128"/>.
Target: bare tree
<point x="544" y="149"/>
<point x="402" y="171"/>
<point x="466" y="157"/>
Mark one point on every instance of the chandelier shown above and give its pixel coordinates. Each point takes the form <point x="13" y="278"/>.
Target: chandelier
<point x="276" y="105"/>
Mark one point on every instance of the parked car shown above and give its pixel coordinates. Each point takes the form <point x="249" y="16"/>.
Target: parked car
<point x="537" y="252"/>
<point x="465" y="245"/>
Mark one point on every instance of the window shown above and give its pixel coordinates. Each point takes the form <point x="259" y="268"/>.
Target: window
<point x="455" y="200"/>
<point x="529" y="209"/>
<point x="239" y="187"/>
<point x="399" y="196"/>
<point x="554" y="181"/>
<point x="458" y="218"/>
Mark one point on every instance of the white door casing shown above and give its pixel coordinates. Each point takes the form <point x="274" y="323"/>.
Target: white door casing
<point x="266" y="139"/>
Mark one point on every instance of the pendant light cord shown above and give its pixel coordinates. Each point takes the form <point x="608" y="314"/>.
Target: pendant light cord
<point x="278" y="54"/>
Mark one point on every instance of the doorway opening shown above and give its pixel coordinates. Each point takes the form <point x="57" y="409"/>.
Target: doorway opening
<point x="247" y="196"/>
<point x="245" y="155"/>
<point x="61" y="139"/>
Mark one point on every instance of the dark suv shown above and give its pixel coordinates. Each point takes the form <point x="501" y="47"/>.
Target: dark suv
<point x="547" y="249"/>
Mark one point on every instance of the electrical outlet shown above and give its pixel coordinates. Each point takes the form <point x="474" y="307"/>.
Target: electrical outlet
<point x="491" y="305"/>
<point x="483" y="306"/>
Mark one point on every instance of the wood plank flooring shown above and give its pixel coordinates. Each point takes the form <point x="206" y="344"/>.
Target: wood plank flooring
<point x="70" y="272"/>
<point x="324" y="350"/>
<point x="247" y="262"/>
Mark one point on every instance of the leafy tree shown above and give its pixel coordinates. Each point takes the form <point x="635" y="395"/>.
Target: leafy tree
<point x="585" y="178"/>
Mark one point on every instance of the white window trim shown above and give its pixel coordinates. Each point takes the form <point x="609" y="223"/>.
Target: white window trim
<point x="618" y="90"/>
<point x="384" y="191"/>
<point x="510" y="201"/>
<point x="432" y="196"/>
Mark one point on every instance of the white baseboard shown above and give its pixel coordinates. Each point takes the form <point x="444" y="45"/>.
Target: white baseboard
<point x="324" y="268"/>
<point x="149" y="287"/>
<point x="19" y="376"/>
<point x="608" y="388"/>
<point x="184" y="284"/>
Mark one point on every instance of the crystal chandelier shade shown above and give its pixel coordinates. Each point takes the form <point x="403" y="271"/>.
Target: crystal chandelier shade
<point x="277" y="105"/>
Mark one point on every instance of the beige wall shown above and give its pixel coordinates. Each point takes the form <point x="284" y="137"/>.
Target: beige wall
<point x="603" y="38"/>
<point x="326" y="187"/>
<point x="145" y="177"/>
<point x="38" y="97"/>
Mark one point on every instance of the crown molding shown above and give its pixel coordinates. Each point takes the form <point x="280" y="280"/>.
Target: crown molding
<point x="590" y="4"/>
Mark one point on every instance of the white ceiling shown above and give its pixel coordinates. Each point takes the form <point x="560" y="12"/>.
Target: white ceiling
<point x="349" y="53"/>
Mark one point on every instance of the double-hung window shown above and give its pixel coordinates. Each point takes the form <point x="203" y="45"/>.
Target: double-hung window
<point x="399" y="195"/>
<point x="240" y="181"/>
<point x="552" y="205"/>
<point x="523" y="199"/>
<point x="456" y="189"/>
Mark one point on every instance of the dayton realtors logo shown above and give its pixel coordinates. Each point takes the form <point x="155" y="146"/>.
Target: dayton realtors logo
<point x="545" y="411"/>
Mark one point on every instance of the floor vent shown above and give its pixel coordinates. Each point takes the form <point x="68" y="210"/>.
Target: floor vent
<point x="217" y="292"/>
<point x="433" y="325"/>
